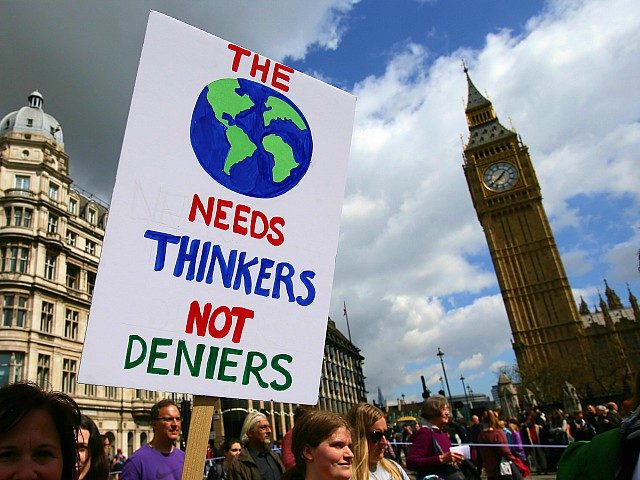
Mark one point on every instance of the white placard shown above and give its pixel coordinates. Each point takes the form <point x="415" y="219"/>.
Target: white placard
<point x="216" y="271"/>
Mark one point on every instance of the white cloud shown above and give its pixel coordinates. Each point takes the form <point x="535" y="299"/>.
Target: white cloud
<point x="497" y="366"/>
<point x="474" y="361"/>
<point x="410" y="239"/>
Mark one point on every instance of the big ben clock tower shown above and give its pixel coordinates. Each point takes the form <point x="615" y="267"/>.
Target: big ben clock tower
<point x="542" y="313"/>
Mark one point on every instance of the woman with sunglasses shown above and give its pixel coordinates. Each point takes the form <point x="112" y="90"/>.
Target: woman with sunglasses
<point x="369" y="444"/>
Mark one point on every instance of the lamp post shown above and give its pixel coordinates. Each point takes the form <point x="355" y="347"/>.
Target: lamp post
<point x="470" y="394"/>
<point x="442" y="384"/>
<point x="444" y="371"/>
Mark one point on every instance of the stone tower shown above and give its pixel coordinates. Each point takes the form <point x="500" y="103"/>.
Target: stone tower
<point x="544" y="319"/>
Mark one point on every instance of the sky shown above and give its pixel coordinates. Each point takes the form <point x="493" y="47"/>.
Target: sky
<point x="413" y="265"/>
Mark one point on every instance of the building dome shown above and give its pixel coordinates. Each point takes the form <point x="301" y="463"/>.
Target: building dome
<point x="31" y="119"/>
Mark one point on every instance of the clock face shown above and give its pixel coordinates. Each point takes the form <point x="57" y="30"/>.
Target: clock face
<point x="500" y="176"/>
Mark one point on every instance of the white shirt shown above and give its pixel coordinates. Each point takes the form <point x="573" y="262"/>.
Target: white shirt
<point x="379" y="473"/>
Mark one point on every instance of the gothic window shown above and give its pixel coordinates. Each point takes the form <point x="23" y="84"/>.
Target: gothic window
<point x="11" y="367"/>
<point x="46" y="317"/>
<point x="14" y="310"/>
<point x="44" y="370"/>
<point x="69" y="368"/>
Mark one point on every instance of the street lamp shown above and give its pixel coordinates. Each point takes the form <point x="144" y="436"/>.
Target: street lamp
<point x="444" y="371"/>
<point x="470" y="393"/>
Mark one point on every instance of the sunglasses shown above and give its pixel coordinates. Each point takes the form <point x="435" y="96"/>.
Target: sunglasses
<point x="375" y="436"/>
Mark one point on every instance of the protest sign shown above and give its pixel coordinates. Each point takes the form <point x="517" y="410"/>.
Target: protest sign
<point x="218" y="260"/>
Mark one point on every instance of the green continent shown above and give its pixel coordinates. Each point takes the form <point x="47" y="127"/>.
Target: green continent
<point x="282" y="156"/>
<point x="281" y="109"/>
<point x="241" y="147"/>
<point x="223" y="98"/>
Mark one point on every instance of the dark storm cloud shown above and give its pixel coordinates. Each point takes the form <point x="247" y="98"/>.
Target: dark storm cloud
<point x="83" y="56"/>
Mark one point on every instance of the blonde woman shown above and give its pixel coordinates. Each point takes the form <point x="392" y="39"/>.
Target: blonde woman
<point x="369" y="444"/>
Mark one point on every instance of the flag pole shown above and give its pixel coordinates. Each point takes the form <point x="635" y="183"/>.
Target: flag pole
<point x="347" y="317"/>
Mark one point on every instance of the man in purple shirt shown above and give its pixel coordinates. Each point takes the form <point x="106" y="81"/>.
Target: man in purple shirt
<point x="159" y="459"/>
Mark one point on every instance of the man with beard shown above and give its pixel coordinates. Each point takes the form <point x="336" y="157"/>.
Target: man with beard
<point x="256" y="461"/>
<point x="159" y="458"/>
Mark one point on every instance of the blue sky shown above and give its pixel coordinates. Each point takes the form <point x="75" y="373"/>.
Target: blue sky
<point x="412" y="264"/>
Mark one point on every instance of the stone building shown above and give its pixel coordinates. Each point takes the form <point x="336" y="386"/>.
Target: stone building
<point x="51" y="235"/>
<point x="553" y="341"/>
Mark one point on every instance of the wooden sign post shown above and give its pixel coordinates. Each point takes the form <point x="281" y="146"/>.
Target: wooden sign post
<point x="199" y="427"/>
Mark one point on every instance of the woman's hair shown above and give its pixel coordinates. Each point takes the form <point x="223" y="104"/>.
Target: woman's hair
<point x="432" y="407"/>
<point x="490" y="419"/>
<point x="227" y="444"/>
<point x="311" y="430"/>
<point x="250" y="422"/>
<point x="361" y="417"/>
<point x="17" y="400"/>
<point x="99" y="469"/>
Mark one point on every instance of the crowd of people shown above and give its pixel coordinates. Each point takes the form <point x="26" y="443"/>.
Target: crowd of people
<point x="43" y="435"/>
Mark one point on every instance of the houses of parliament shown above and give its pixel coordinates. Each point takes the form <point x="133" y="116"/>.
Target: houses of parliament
<point x="555" y="338"/>
<point x="51" y="235"/>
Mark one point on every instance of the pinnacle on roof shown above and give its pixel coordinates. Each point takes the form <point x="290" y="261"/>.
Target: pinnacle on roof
<point x="475" y="99"/>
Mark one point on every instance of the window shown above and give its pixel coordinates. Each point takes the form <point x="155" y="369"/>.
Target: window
<point x="18" y="216"/>
<point x="50" y="266"/>
<point x="72" y="237"/>
<point x="52" y="225"/>
<point x="14" y="258"/>
<point x="90" y="247"/>
<point x="69" y="375"/>
<point x="44" y="370"/>
<point x="22" y="182"/>
<point x="14" y="310"/>
<point x="29" y="122"/>
<point x="90" y="390"/>
<point x="91" y="281"/>
<point x="73" y="206"/>
<point x="46" y="317"/>
<point x="91" y="216"/>
<point x="110" y="392"/>
<point x="53" y="191"/>
<point x="73" y="276"/>
<point x="11" y="367"/>
<point x="71" y="324"/>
